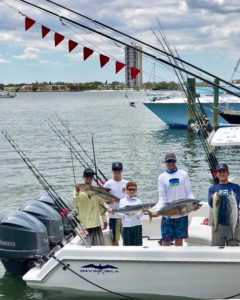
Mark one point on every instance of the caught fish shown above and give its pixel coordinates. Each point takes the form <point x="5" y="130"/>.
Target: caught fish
<point x="232" y="209"/>
<point x="131" y="209"/>
<point x="179" y="207"/>
<point x="216" y="209"/>
<point x="101" y="192"/>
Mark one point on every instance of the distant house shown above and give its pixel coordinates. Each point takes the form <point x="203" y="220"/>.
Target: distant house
<point x="26" y="88"/>
<point x="54" y="87"/>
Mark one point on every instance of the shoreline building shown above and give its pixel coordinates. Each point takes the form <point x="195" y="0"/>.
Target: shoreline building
<point x="133" y="58"/>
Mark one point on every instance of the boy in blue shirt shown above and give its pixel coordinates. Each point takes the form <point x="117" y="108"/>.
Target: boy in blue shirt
<point x="223" y="234"/>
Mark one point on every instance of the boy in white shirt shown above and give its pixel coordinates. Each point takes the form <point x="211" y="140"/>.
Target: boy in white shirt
<point x="132" y="227"/>
<point x="117" y="185"/>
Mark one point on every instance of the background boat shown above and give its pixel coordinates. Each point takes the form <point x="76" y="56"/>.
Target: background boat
<point x="7" y="95"/>
<point x="173" y="110"/>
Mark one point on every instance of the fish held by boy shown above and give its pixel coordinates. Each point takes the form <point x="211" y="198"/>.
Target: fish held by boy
<point x="132" y="209"/>
<point x="179" y="207"/>
<point x="216" y="209"/>
<point x="232" y="209"/>
<point x="101" y="192"/>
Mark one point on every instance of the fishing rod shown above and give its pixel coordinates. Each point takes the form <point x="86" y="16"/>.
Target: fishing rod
<point x="211" y="159"/>
<point x="128" y="45"/>
<point x="89" y="157"/>
<point x="94" y="158"/>
<point x="192" y="93"/>
<point x="61" y="136"/>
<point x="76" y="225"/>
<point x="169" y="54"/>
<point x="73" y="169"/>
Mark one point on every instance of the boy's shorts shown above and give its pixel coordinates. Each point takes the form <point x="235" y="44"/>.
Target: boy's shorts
<point x="174" y="228"/>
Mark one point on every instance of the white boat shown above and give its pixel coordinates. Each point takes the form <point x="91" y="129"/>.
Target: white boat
<point x="225" y="137"/>
<point x="173" y="110"/>
<point x="7" y="95"/>
<point x="195" y="270"/>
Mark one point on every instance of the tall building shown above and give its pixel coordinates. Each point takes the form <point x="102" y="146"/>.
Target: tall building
<point x="133" y="58"/>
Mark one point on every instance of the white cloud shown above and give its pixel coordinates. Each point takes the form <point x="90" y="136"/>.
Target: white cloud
<point x="28" y="53"/>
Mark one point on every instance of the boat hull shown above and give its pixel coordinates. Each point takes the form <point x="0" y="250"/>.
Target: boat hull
<point x="196" y="272"/>
<point x="175" y="114"/>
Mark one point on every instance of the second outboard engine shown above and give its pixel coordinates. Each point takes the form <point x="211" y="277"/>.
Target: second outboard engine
<point x="45" y="198"/>
<point x="23" y="240"/>
<point x="49" y="217"/>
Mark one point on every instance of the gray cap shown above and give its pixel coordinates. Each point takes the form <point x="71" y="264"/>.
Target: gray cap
<point x="170" y="156"/>
<point x="221" y="166"/>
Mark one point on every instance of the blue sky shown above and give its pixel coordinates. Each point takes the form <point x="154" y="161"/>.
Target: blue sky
<point x="205" y="33"/>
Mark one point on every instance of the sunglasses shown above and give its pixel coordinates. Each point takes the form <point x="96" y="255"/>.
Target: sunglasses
<point x="132" y="190"/>
<point x="170" y="161"/>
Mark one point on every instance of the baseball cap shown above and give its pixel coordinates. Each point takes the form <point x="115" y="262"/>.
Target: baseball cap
<point x="117" y="166"/>
<point x="170" y="156"/>
<point x="88" y="173"/>
<point x="221" y="166"/>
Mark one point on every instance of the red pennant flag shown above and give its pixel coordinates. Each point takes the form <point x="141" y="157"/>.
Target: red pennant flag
<point x="103" y="60"/>
<point x="58" y="38"/>
<point x="87" y="52"/>
<point x="45" y="31"/>
<point x="118" y="66"/>
<point x="134" y="72"/>
<point x="29" y="23"/>
<point x="71" y="45"/>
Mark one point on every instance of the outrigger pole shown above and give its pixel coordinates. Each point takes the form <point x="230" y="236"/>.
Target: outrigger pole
<point x="76" y="225"/>
<point x="142" y="51"/>
<point x="78" y="143"/>
<point x="142" y="42"/>
<point x="211" y="158"/>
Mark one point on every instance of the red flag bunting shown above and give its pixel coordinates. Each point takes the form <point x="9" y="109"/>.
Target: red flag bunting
<point x="134" y="72"/>
<point x="118" y="66"/>
<point x="29" y="23"/>
<point x="103" y="60"/>
<point x="45" y="31"/>
<point x="71" y="45"/>
<point x="87" y="52"/>
<point x="58" y="38"/>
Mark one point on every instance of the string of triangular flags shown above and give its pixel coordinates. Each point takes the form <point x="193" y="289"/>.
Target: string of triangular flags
<point x="87" y="52"/>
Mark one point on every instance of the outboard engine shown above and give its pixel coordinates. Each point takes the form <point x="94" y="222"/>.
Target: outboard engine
<point x="45" y="198"/>
<point x="49" y="217"/>
<point x="23" y="240"/>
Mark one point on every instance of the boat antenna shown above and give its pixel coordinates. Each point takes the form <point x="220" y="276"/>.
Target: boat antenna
<point x="76" y="225"/>
<point x="152" y="56"/>
<point x="235" y="69"/>
<point x="139" y="41"/>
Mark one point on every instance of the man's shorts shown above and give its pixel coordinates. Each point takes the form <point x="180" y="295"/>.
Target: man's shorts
<point x="115" y="225"/>
<point x="174" y="228"/>
<point x="223" y="236"/>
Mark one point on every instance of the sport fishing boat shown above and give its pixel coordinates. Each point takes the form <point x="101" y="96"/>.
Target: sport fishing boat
<point x="32" y="245"/>
<point x="173" y="111"/>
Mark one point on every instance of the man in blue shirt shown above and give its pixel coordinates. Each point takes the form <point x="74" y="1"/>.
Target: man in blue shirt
<point x="222" y="233"/>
